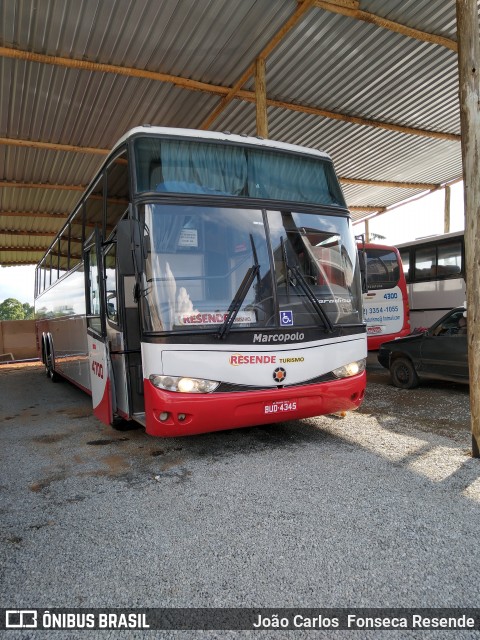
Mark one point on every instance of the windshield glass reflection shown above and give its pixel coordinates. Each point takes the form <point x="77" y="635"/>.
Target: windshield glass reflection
<point x="273" y="268"/>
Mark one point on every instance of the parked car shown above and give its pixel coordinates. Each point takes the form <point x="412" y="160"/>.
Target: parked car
<point x="438" y="353"/>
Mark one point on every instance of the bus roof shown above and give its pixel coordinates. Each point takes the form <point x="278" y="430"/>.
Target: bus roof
<point x="428" y="239"/>
<point x="376" y="245"/>
<point x="224" y="136"/>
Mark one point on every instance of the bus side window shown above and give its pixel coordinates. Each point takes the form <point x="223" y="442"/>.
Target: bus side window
<point x="111" y="283"/>
<point x="449" y="259"/>
<point x="156" y="175"/>
<point x="425" y="263"/>
<point x="118" y="192"/>
<point x="94" y="209"/>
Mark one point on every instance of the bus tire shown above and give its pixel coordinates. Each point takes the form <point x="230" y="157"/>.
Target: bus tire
<point x="403" y="374"/>
<point x="50" y="362"/>
<point x="120" y="424"/>
<point x="44" y="356"/>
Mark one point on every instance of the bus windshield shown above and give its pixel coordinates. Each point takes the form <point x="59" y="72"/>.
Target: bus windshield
<point x="383" y="268"/>
<point x="282" y="268"/>
<point x="385" y="303"/>
<point x="200" y="167"/>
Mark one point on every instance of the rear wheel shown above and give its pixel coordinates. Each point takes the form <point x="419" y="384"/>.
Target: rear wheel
<point x="403" y="374"/>
<point x="50" y="364"/>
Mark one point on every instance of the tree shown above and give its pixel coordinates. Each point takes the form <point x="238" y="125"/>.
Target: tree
<point x="29" y="311"/>
<point x="12" y="309"/>
<point x="376" y="236"/>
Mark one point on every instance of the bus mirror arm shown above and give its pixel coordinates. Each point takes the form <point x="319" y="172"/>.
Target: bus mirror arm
<point x="362" y="261"/>
<point x="130" y="247"/>
<point x="137" y="291"/>
<point x="363" y="269"/>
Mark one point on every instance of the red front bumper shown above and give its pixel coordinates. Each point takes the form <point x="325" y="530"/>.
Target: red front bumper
<point x="189" y="414"/>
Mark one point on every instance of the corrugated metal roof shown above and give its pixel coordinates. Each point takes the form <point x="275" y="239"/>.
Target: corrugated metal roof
<point x="328" y="62"/>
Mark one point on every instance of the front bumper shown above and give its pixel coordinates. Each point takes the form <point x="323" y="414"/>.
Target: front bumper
<point x="190" y="414"/>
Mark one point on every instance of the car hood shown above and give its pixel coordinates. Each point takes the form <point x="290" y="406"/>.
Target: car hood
<point x="401" y="341"/>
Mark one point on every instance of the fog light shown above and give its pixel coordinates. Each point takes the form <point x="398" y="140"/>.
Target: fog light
<point x="181" y="417"/>
<point x="163" y="416"/>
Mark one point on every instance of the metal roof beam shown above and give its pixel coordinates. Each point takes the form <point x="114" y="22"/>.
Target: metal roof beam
<point x="18" y="232"/>
<point x="34" y="214"/>
<point x="41" y="250"/>
<point x="42" y="185"/>
<point x="389" y="184"/>
<point x="384" y="23"/>
<point x="85" y="65"/>
<point x="269" y="47"/>
<point x="229" y="92"/>
<point x="364" y="121"/>
<point x="51" y="146"/>
<point x="345" y="180"/>
<point x="367" y="208"/>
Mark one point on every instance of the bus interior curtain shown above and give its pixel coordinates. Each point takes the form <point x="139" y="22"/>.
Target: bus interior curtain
<point x="189" y="167"/>
<point x="296" y="179"/>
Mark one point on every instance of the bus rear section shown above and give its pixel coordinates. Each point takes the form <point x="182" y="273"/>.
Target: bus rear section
<point x="385" y="303"/>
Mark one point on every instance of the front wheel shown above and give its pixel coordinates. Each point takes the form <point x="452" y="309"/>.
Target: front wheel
<point x="403" y="374"/>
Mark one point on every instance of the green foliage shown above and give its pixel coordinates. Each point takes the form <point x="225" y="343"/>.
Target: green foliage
<point x="12" y="309"/>
<point x="29" y="311"/>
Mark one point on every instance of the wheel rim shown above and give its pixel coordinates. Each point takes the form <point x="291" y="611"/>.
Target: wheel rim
<point x="403" y="373"/>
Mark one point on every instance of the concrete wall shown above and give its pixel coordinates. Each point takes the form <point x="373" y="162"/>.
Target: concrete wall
<point x="17" y="337"/>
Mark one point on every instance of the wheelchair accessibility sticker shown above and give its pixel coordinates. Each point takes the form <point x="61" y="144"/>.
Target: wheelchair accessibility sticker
<point x="286" y="318"/>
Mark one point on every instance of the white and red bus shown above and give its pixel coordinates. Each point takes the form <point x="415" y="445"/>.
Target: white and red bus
<point x="385" y="303"/>
<point x="206" y="281"/>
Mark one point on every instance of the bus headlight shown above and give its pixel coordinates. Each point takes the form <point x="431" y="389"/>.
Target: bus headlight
<point x="350" y="369"/>
<point x="183" y="385"/>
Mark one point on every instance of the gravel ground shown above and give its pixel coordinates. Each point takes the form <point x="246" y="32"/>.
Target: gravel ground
<point x="377" y="509"/>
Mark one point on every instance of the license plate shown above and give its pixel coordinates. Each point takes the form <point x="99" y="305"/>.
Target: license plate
<point x="281" y="406"/>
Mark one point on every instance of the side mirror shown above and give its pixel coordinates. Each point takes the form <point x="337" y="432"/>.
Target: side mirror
<point x="130" y="247"/>
<point x="363" y="269"/>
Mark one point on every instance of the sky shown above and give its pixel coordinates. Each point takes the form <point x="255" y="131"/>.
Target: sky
<point x="416" y="219"/>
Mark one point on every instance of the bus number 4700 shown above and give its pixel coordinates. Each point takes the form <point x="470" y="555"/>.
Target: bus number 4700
<point x="97" y="369"/>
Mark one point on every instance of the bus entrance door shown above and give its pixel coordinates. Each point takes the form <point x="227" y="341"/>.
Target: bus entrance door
<point x="98" y="352"/>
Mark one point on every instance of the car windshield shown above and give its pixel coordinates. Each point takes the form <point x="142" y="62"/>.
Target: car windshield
<point x="453" y="324"/>
<point x="219" y="269"/>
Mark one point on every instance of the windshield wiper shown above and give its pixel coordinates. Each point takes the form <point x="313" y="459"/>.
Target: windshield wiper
<point x="238" y="300"/>
<point x="287" y="268"/>
<point x="304" y="286"/>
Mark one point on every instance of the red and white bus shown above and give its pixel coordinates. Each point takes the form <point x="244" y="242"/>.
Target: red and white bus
<point x="385" y="303"/>
<point x="206" y="281"/>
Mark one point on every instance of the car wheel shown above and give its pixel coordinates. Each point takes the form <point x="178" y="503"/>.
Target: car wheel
<point x="403" y="374"/>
